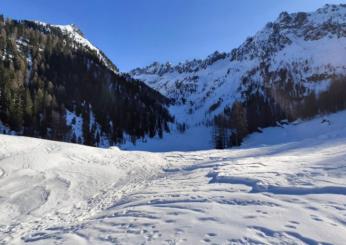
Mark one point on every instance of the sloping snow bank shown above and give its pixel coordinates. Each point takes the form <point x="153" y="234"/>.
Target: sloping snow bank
<point x="284" y="186"/>
<point x="49" y="183"/>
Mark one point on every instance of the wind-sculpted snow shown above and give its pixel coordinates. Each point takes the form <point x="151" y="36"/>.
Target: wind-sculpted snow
<point x="45" y="183"/>
<point x="284" y="186"/>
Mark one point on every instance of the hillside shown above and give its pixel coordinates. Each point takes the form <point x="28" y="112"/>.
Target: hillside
<point x="293" y="68"/>
<point x="286" y="185"/>
<point x="55" y="84"/>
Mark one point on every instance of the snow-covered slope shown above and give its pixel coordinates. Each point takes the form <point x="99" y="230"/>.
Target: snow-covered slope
<point x="284" y="186"/>
<point x="306" y="48"/>
<point x="73" y="33"/>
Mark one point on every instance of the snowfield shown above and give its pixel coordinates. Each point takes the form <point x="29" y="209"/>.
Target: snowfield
<point x="286" y="185"/>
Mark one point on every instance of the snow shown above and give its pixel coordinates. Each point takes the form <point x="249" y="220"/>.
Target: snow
<point x="6" y="130"/>
<point x="212" y="84"/>
<point x="197" y="138"/>
<point x="202" y="84"/>
<point x="76" y="124"/>
<point x="286" y="185"/>
<point x="330" y="12"/>
<point x="45" y="184"/>
<point x="72" y="32"/>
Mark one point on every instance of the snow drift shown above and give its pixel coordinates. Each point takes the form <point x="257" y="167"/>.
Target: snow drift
<point x="284" y="186"/>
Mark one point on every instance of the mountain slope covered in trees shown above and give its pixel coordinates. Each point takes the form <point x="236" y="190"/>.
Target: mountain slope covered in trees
<point x="55" y="84"/>
<point x="293" y="68"/>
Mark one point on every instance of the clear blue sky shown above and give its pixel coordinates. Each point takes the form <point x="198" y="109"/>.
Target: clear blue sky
<point x="135" y="33"/>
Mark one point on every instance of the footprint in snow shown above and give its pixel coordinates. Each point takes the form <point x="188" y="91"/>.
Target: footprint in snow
<point x="316" y="218"/>
<point x="179" y="231"/>
<point x="250" y="217"/>
<point x="170" y="221"/>
<point x="206" y="240"/>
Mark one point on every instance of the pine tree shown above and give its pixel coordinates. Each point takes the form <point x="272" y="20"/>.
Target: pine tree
<point x="238" y="123"/>
<point x="29" y="106"/>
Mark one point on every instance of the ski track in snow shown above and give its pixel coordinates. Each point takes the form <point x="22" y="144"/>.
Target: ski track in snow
<point x="290" y="191"/>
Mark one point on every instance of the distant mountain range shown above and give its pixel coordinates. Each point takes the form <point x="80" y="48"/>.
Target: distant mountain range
<point x="293" y="68"/>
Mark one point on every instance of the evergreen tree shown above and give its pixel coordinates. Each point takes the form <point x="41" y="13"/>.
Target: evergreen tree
<point x="238" y="123"/>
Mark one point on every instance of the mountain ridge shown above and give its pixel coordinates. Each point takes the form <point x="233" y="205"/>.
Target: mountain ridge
<point x="271" y="74"/>
<point x="284" y="19"/>
<point x="56" y="85"/>
<point x="73" y="32"/>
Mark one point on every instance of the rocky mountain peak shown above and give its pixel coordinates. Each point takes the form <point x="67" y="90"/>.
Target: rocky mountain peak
<point x="300" y="51"/>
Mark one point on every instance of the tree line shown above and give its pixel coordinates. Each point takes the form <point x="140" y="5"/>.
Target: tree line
<point x="281" y="101"/>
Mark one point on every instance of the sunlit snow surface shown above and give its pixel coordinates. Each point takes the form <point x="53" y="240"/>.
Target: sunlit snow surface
<point x="284" y="186"/>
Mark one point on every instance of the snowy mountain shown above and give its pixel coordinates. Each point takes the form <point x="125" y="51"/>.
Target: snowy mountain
<point x="286" y="185"/>
<point x="55" y="84"/>
<point x="74" y="33"/>
<point x="290" y="63"/>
